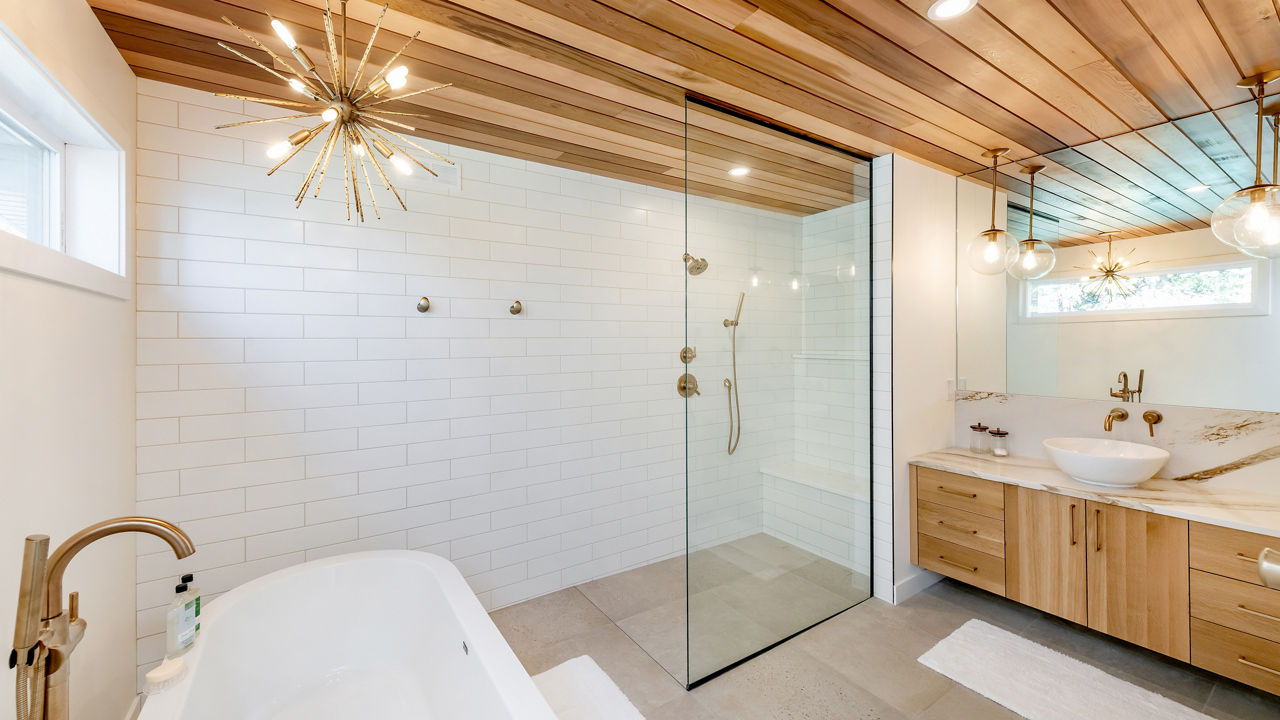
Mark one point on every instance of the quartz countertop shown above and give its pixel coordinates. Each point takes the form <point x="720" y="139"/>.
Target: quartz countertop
<point x="1247" y="499"/>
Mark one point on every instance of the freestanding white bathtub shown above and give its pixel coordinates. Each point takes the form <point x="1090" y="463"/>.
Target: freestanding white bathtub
<point x="389" y="635"/>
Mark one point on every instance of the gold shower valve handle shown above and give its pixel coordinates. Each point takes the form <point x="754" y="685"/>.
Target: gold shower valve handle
<point x="1152" y="418"/>
<point x="687" y="385"/>
<point x="688" y="354"/>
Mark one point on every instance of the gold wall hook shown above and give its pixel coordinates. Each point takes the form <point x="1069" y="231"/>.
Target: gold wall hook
<point x="424" y="305"/>
<point x="516" y="308"/>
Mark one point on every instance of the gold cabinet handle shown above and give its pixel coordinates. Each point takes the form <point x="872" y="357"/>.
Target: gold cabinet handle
<point x="1097" y="520"/>
<point x="1244" y="661"/>
<point x="1257" y="613"/>
<point x="1073" y="523"/>
<point x="1246" y="558"/>
<point x="962" y="566"/>
<point x="949" y="491"/>
<point x="957" y="528"/>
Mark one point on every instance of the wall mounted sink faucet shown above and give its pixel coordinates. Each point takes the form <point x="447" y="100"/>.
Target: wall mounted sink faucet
<point x="45" y="634"/>
<point x="1124" y="394"/>
<point x="1116" y="414"/>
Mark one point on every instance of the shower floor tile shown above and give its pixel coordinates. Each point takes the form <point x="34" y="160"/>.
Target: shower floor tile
<point x="746" y="595"/>
<point x="860" y="665"/>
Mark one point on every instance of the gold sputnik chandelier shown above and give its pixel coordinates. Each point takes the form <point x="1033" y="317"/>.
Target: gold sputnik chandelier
<point x="1109" y="272"/>
<point x="352" y="116"/>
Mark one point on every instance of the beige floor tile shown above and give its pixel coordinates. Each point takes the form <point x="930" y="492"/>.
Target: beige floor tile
<point x="961" y="703"/>
<point x="1232" y="701"/>
<point x="622" y="595"/>
<point x="785" y="604"/>
<point x="877" y="649"/>
<point x="787" y="683"/>
<point x="534" y="625"/>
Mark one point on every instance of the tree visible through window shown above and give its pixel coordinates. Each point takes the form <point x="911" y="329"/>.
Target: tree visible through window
<point x="1199" y="287"/>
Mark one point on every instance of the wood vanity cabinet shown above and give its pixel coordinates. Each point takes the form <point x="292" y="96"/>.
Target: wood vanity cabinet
<point x="1138" y="578"/>
<point x="1045" y="552"/>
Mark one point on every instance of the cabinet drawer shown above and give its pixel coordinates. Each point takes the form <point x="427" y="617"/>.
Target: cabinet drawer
<point x="1236" y="604"/>
<point x="1227" y="552"/>
<point x="965" y="564"/>
<point x="978" y="532"/>
<point x="1239" y="656"/>
<point x="974" y="495"/>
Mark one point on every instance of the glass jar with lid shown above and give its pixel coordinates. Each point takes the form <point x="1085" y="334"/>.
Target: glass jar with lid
<point x="978" y="438"/>
<point x="999" y="442"/>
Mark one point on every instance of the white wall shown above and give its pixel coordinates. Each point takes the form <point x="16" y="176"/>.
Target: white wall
<point x="66" y="388"/>
<point x="293" y="404"/>
<point x="924" y="337"/>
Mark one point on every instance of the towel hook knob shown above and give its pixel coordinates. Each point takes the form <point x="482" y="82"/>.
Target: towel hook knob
<point x="424" y="305"/>
<point x="516" y="308"/>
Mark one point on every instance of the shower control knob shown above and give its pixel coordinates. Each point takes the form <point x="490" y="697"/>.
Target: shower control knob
<point x="687" y="385"/>
<point x="688" y="354"/>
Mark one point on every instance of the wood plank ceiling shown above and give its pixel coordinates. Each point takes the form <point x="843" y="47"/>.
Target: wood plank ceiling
<point x="1127" y="102"/>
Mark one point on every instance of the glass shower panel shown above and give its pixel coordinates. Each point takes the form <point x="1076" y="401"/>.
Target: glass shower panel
<point x="778" y="443"/>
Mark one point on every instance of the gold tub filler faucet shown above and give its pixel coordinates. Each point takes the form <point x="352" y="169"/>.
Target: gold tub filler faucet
<point x="45" y="634"/>
<point x="1124" y="394"/>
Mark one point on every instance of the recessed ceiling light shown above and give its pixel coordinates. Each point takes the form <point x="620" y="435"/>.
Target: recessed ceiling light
<point x="947" y="9"/>
<point x="1197" y="188"/>
<point x="739" y="171"/>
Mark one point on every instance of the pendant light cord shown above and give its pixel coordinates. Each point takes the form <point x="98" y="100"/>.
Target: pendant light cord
<point x="994" y="160"/>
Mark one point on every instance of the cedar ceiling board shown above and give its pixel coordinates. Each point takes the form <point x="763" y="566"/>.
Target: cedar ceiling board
<point x="436" y="104"/>
<point x="1117" y="33"/>
<point x="729" y="125"/>
<point x="935" y="121"/>
<point x="622" y="38"/>
<point x="1242" y="122"/>
<point x="1192" y="213"/>
<point x="1161" y="210"/>
<point x="1088" y="192"/>
<point x="1250" y="30"/>
<point x="1208" y="133"/>
<point x="1189" y="38"/>
<point x="1063" y="45"/>
<point x="1137" y="147"/>
<point x="615" y="167"/>
<point x="984" y="36"/>
<point x="1174" y="143"/>
<point x="852" y="30"/>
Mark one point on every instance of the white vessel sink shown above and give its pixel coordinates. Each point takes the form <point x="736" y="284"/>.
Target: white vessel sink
<point x="1113" y="463"/>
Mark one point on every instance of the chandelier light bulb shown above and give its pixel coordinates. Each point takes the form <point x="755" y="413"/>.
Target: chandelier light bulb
<point x="398" y="77"/>
<point x="329" y="115"/>
<point x="279" y="149"/>
<point x="283" y="32"/>
<point x="298" y="87"/>
<point x="359" y="150"/>
<point x="402" y="166"/>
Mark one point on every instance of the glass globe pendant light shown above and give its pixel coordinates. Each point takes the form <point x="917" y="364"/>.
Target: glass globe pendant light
<point x="986" y="252"/>
<point x="1266" y="243"/>
<point x="1249" y="220"/>
<point x="1030" y="259"/>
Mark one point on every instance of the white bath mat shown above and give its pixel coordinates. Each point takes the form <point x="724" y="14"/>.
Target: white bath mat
<point x="579" y="690"/>
<point x="1043" y="684"/>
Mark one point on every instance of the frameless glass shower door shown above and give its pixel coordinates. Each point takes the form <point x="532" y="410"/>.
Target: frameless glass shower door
<point x="778" y="331"/>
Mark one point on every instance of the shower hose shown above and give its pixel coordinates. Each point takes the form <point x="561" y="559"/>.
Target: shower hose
<point x="731" y="390"/>
<point x="31" y="708"/>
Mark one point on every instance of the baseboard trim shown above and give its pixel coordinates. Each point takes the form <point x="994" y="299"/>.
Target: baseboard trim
<point x="913" y="584"/>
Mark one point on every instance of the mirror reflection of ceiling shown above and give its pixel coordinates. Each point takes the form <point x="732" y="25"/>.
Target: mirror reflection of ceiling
<point x="1127" y="103"/>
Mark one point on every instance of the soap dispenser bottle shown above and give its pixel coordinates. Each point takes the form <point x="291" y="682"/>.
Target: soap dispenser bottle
<point x="193" y="592"/>
<point x="180" y="623"/>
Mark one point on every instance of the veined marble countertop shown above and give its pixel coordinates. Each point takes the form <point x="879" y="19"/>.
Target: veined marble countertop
<point x="1245" y="499"/>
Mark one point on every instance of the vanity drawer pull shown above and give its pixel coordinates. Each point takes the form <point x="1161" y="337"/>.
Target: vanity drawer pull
<point x="961" y="493"/>
<point x="1243" y="661"/>
<point x="1073" y="523"/>
<point x="1257" y="613"/>
<point x="1246" y="558"/>
<point x="946" y="524"/>
<point x="962" y="566"/>
<point x="1097" y="520"/>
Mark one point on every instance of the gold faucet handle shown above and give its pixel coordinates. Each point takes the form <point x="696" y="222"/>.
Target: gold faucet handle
<point x="74" y="602"/>
<point x="1152" y="418"/>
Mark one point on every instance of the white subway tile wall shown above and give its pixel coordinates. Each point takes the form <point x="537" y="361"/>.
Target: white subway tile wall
<point x="293" y="403"/>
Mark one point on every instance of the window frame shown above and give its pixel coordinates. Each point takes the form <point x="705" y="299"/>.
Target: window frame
<point x="1259" y="305"/>
<point x="53" y="172"/>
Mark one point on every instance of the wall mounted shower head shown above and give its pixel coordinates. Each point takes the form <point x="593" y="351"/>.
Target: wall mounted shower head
<point x="695" y="266"/>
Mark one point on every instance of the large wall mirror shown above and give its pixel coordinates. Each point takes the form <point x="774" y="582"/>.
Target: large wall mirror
<point x="1185" y="318"/>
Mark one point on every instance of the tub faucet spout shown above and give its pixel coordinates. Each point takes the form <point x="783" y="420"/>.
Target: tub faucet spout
<point x="45" y="634"/>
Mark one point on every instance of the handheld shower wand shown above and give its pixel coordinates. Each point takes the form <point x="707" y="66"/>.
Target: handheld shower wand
<point x="731" y="386"/>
